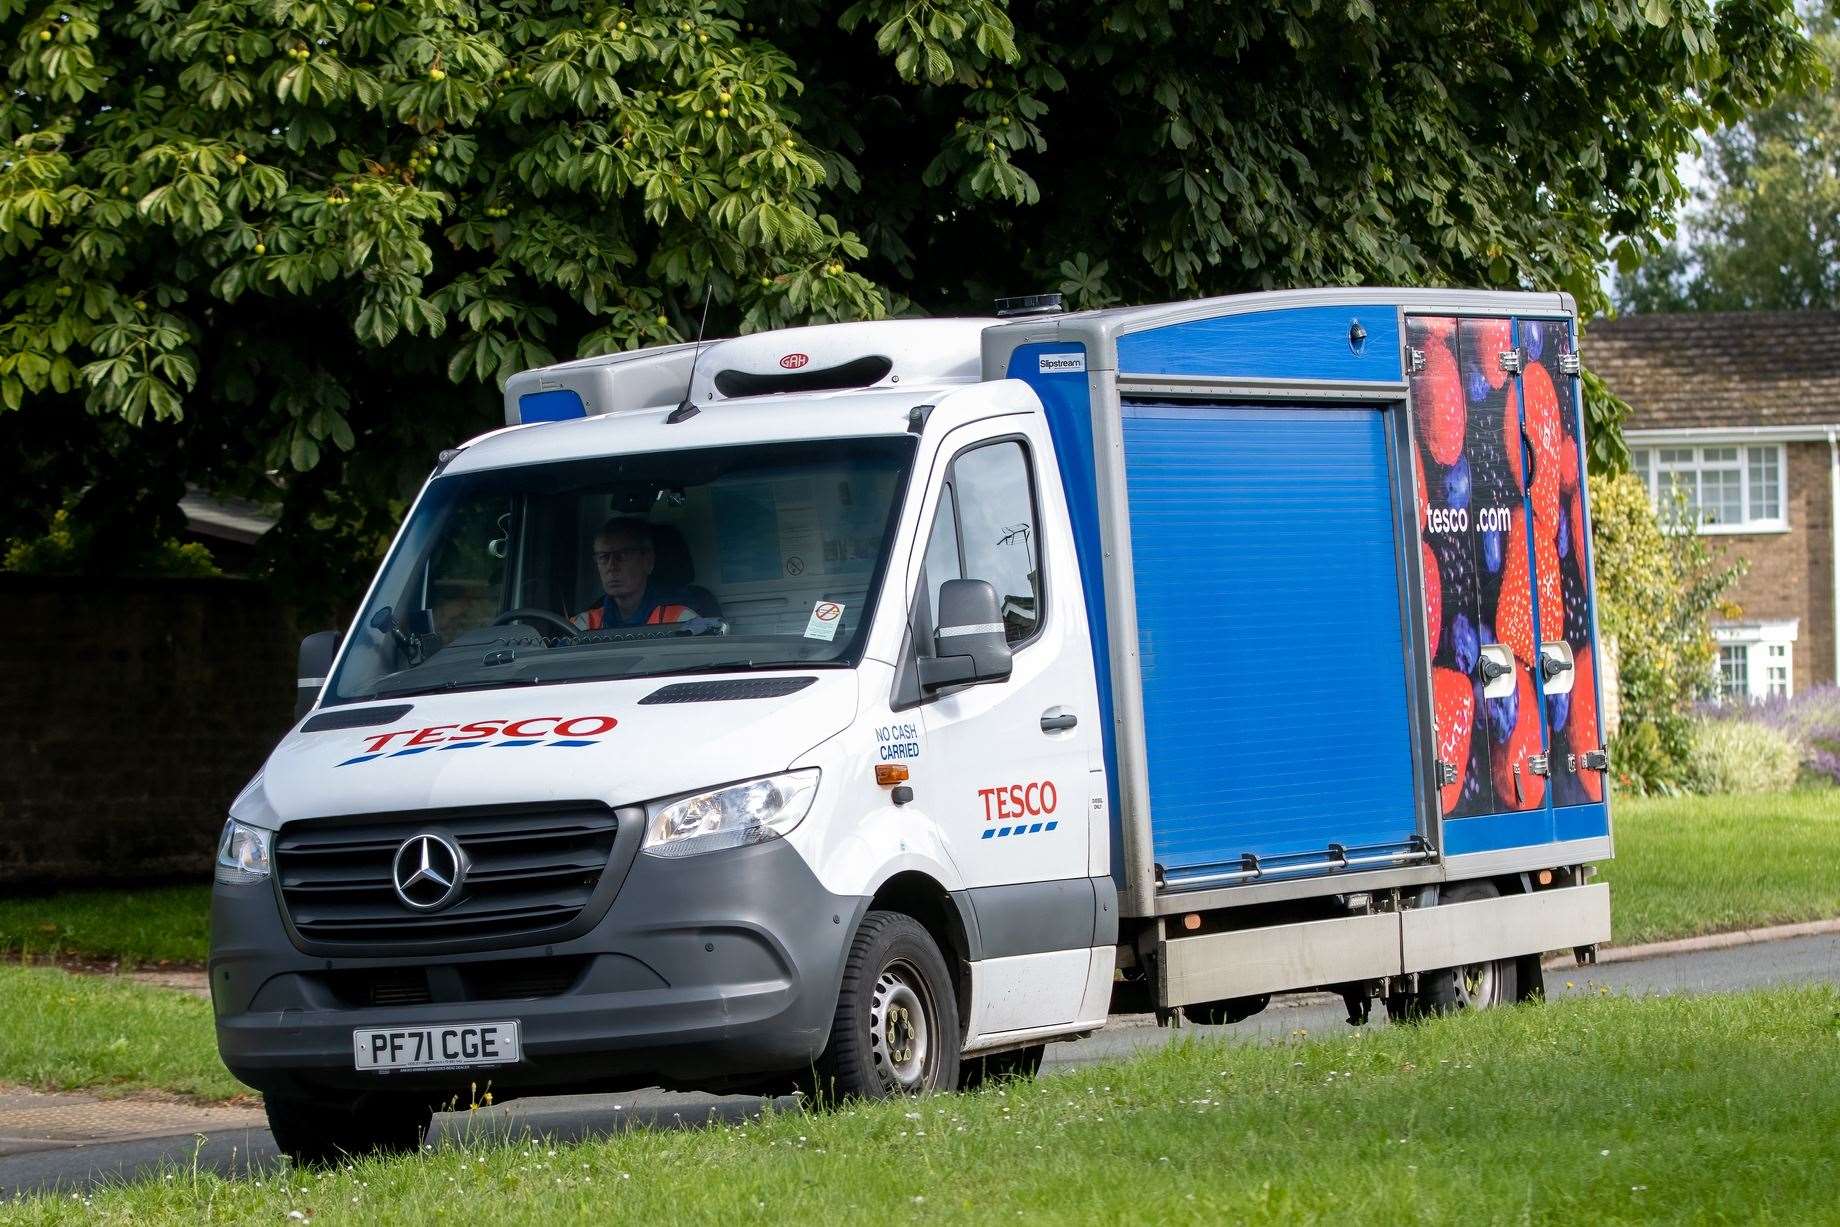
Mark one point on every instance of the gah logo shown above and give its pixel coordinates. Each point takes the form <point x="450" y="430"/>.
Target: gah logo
<point x="564" y="732"/>
<point x="793" y="362"/>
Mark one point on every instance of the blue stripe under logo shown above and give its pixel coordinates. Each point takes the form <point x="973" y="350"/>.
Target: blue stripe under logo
<point x="565" y="742"/>
<point x="1021" y="828"/>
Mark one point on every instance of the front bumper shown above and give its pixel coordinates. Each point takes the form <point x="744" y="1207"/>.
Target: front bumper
<point x="705" y="971"/>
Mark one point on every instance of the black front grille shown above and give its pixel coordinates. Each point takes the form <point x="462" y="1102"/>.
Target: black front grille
<point x="526" y="978"/>
<point x="528" y="872"/>
<point x="388" y="986"/>
<point x="507" y="980"/>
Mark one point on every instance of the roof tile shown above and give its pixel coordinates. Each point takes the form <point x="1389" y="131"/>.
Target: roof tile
<point x="1721" y="368"/>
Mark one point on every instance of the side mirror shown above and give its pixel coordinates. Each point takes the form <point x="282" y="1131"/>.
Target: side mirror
<point x="316" y="653"/>
<point x="969" y="645"/>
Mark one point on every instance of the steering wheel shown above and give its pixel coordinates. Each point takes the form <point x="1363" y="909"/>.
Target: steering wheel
<point x="530" y="613"/>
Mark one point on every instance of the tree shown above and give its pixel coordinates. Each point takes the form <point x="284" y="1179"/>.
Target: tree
<point x="1764" y="233"/>
<point x="296" y="243"/>
<point x="1659" y="586"/>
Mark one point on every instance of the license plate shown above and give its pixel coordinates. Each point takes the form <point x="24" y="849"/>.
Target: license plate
<point x="447" y="1046"/>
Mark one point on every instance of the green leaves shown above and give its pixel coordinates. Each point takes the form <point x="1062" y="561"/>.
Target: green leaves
<point x="378" y="168"/>
<point x="311" y="238"/>
<point x="937" y="40"/>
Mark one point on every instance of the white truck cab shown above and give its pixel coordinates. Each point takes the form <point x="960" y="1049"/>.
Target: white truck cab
<point x="859" y="708"/>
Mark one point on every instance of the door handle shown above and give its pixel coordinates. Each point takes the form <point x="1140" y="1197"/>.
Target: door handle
<point x="1058" y="720"/>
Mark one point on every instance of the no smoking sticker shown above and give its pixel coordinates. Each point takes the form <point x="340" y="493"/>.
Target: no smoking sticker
<point x="825" y="618"/>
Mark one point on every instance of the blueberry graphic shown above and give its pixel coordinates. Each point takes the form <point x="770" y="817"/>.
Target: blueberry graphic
<point x="1558" y="707"/>
<point x="1456" y="484"/>
<point x="1536" y="341"/>
<point x="1475" y="382"/>
<point x="1502" y="715"/>
<point x="1491" y="550"/>
<point x="1464" y="646"/>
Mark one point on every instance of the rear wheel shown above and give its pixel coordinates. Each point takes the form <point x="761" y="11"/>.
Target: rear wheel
<point x="1456" y="990"/>
<point x="974" y="1072"/>
<point x="895" y="1031"/>
<point x="314" y="1134"/>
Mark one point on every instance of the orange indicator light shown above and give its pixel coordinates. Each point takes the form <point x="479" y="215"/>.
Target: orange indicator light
<point x="890" y="773"/>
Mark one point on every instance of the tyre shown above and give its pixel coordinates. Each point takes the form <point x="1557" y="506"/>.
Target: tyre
<point x="1457" y="990"/>
<point x="974" y="1072"/>
<point x="314" y="1134"/>
<point x="895" y="1031"/>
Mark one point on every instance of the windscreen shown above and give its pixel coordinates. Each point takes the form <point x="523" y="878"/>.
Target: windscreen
<point x="748" y="557"/>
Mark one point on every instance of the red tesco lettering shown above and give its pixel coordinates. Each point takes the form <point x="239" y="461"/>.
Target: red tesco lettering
<point x="1011" y="801"/>
<point x="531" y="726"/>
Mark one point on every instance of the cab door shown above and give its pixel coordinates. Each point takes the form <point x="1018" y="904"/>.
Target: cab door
<point x="1008" y="767"/>
<point x="1015" y="753"/>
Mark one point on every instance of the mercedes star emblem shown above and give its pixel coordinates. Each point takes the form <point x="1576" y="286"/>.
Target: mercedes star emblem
<point x="429" y="871"/>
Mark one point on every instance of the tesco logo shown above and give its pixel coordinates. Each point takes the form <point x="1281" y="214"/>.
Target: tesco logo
<point x="1012" y="801"/>
<point x="793" y="362"/>
<point x="565" y="732"/>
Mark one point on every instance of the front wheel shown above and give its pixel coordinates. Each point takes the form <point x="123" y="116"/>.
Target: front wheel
<point x="895" y="1031"/>
<point x="314" y="1134"/>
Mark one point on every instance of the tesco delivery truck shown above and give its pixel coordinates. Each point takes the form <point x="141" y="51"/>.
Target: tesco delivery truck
<point x="861" y="708"/>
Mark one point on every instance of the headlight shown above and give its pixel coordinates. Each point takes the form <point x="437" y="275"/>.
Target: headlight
<point x="242" y="854"/>
<point x="748" y="813"/>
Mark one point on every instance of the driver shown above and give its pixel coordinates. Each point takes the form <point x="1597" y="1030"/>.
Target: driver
<point x="623" y="556"/>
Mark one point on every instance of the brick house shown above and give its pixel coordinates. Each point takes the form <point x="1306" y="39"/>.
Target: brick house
<point x="1741" y="410"/>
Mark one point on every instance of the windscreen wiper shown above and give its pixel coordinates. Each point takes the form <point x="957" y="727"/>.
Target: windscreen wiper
<point x="459" y="683"/>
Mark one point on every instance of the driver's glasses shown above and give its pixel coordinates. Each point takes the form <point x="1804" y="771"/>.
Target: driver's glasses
<point x="621" y="557"/>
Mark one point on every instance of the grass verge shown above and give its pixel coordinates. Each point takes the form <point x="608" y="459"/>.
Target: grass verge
<point x="65" y="1032"/>
<point x="1598" y="1110"/>
<point x="165" y="925"/>
<point x="1691" y="865"/>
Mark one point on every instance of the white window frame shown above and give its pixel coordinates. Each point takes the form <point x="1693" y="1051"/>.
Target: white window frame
<point x="1646" y="459"/>
<point x="1740" y="655"/>
<point x="1758" y="639"/>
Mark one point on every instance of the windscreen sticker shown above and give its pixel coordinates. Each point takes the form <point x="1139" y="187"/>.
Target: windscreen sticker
<point x="566" y="732"/>
<point x="825" y="618"/>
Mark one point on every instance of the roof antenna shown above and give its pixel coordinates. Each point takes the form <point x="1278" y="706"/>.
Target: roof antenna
<point x="686" y="409"/>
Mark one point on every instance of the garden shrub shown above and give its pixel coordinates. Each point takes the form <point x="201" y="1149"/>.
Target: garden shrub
<point x="1812" y="718"/>
<point x="1742" y="756"/>
<point x="1658" y="588"/>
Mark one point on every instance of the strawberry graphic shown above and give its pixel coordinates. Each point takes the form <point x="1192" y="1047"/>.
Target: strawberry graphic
<point x="1546" y="570"/>
<point x="1454" y="704"/>
<point x="1437" y="398"/>
<point x="1434" y="599"/>
<point x="1514" y="608"/>
<point x="1546" y="439"/>
<point x="1583" y="721"/>
<point x="1437" y="330"/>
<point x="1511" y="754"/>
<point x="1491" y="338"/>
